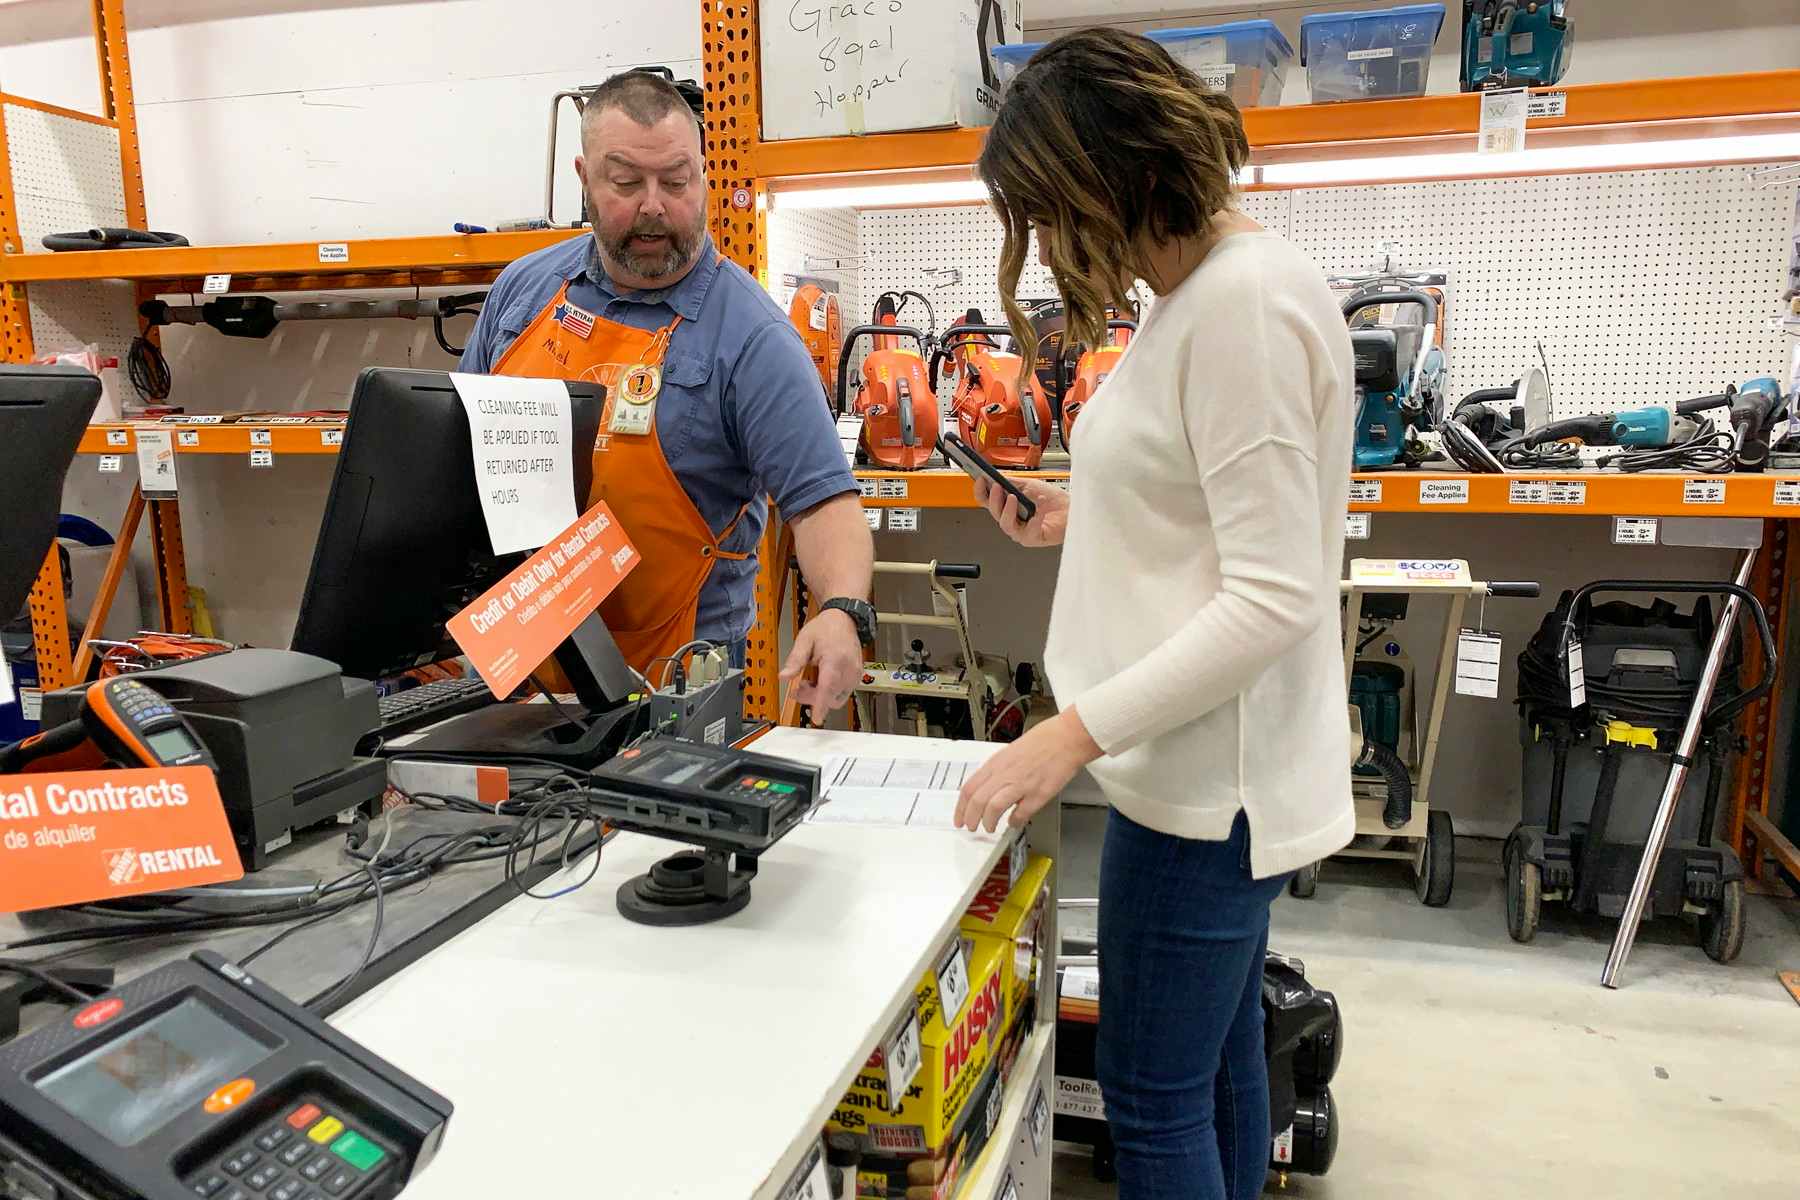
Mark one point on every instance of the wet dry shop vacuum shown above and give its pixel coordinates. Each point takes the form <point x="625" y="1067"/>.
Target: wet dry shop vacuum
<point x="1599" y="756"/>
<point x="1393" y="765"/>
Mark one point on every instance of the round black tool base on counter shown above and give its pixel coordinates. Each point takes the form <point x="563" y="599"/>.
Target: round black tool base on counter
<point x="690" y="888"/>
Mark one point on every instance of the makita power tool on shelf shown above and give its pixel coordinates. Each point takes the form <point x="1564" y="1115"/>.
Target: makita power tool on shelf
<point x="1515" y="43"/>
<point x="1399" y="380"/>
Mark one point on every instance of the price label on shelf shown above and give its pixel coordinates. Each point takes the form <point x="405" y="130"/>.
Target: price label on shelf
<point x="117" y="437"/>
<point x="1081" y="983"/>
<point x="1356" y="527"/>
<point x="1527" y="491"/>
<point x="1634" y="531"/>
<point x="1787" y="493"/>
<point x="891" y="489"/>
<point x="262" y="458"/>
<point x="1009" y="1189"/>
<point x="866" y="488"/>
<point x="1572" y="492"/>
<point x="1503" y="121"/>
<point x="112" y="464"/>
<point x="873" y="517"/>
<point x="1365" y="491"/>
<point x="331" y="437"/>
<point x="1040" y="1120"/>
<point x="215" y="285"/>
<point x="1547" y="104"/>
<point x="901" y="1054"/>
<point x="156" y="464"/>
<point x="1017" y="859"/>
<point x="810" y="1180"/>
<point x="953" y="980"/>
<point x="262" y="437"/>
<point x="1478" y="663"/>
<point x="1703" y="491"/>
<point x="903" y="520"/>
<point x="31" y="703"/>
<point x="1443" y="491"/>
<point x="187" y="437"/>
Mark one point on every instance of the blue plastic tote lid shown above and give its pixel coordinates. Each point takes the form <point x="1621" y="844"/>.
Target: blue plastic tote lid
<point x="1266" y="28"/>
<point x="1432" y="12"/>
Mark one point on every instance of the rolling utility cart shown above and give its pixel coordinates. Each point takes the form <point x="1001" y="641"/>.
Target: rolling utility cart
<point x="1594" y="770"/>
<point x="1393" y="771"/>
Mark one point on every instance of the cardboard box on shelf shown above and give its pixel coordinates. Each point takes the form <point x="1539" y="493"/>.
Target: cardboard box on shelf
<point x="830" y="69"/>
<point x="1014" y="916"/>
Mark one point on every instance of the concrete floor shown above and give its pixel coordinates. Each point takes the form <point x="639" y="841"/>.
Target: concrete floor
<point x="1476" y="1068"/>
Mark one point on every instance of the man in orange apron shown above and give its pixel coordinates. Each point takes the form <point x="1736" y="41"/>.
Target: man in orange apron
<point x="712" y="406"/>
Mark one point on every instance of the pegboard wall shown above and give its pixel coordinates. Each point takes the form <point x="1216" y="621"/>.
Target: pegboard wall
<point x="814" y="235"/>
<point x="71" y="316"/>
<point x="1645" y="287"/>
<point x="65" y="174"/>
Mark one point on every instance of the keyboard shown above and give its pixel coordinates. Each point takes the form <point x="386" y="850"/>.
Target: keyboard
<point x="432" y="702"/>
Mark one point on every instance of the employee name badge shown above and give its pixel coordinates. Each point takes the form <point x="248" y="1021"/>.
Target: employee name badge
<point x="634" y="400"/>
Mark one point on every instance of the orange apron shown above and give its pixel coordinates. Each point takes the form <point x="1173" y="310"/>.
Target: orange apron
<point x="651" y="613"/>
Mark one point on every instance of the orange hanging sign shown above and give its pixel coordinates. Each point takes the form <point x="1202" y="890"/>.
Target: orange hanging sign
<point x="81" y="836"/>
<point x="519" y="622"/>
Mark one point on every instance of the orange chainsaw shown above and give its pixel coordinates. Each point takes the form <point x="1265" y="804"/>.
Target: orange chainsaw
<point x="1091" y="369"/>
<point x="816" y="317"/>
<point x="899" y="410"/>
<point x="1009" y="429"/>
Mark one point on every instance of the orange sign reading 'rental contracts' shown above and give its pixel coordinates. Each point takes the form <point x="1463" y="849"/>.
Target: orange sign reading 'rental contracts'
<point x="96" y="835"/>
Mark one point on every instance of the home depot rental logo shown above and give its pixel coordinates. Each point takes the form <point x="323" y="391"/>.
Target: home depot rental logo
<point x="121" y="867"/>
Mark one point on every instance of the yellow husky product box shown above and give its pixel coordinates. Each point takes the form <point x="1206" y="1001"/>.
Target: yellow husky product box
<point x="956" y="1048"/>
<point x="1016" y="919"/>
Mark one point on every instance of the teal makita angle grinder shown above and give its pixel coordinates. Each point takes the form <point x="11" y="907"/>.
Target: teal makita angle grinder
<point x="1399" y="380"/>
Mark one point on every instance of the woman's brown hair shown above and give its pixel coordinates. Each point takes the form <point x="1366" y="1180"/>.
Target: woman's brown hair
<point x="1104" y="142"/>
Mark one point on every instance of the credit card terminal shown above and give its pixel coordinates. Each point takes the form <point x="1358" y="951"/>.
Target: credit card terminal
<point x="198" y="1079"/>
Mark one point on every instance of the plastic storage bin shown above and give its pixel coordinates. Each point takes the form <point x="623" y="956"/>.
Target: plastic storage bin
<point x="1247" y="60"/>
<point x="1010" y="60"/>
<point x="1369" y="55"/>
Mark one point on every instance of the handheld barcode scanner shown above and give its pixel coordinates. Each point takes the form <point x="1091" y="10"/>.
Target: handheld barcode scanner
<point x="122" y="721"/>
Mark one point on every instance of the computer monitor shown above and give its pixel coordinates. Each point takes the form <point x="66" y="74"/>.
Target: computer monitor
<point x="43" y="411"/>
<point x="404" y="546"/>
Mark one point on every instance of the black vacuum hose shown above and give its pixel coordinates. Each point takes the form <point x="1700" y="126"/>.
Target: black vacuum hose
<point x="1398" y="810"/>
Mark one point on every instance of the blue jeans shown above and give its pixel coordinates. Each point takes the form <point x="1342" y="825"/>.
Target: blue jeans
<point x="1183" y="930"/>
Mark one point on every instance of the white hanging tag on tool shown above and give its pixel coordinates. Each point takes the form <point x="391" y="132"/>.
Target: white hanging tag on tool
<point x="1634" y="531"/>
<point x="903" y="520"/>
<point x="1284" y="1146"/>
<point x="849" y="428"/>
<point x="1478" y="663"/>
<point x="31" y="703"/>
<point x="156" y="464"/>
<point x="873" y="517"/>
<point x="1503" y="121"/>
<point x="1356" y="527"/>
<point x="901" y="1055"/>
<point x="1577" y="675"/>
<point x="112" y="464"/>
<point x="953" y="981"/>
<point x="215" y="285"/>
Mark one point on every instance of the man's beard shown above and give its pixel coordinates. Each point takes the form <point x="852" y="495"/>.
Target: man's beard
<point x="676" y="253"/>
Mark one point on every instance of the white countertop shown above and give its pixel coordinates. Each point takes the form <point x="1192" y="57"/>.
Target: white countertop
<point x="589" y="1056"/>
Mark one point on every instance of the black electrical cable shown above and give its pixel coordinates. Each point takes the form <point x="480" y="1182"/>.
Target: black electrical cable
<point x="28" y="970"/>
<point x="1515" y="455"/>
<point x="148" y="370"/>
<point x="1707" y="452"/>
<point x="329" y="999"/>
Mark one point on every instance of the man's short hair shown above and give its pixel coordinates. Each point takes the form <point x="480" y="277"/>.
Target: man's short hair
<point x="644" y="97"/>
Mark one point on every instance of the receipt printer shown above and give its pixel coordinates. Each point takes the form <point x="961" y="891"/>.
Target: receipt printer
<point x="282" y="728"/>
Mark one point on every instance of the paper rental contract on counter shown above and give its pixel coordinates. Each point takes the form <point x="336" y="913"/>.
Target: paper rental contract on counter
<point x="865" y="790"/>
<point x="520" y="430"/>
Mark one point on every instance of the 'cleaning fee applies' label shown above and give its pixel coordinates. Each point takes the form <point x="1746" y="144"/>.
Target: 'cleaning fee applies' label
<point x="1443" y="491"/>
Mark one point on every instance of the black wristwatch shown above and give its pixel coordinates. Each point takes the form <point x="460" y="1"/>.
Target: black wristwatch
<point x="861" y="611"/>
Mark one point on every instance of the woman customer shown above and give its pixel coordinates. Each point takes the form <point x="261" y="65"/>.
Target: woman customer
<point x="1194" y="640"/>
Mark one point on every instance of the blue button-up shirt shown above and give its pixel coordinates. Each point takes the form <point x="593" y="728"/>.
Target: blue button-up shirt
<point x="741" y="417"/>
